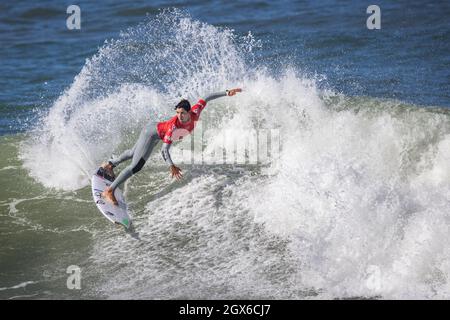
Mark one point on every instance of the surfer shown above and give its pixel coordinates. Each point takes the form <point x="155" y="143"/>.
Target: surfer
<point x="174" y="129"/>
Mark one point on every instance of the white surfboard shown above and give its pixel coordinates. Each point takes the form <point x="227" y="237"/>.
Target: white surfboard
<point x="116" y="214"/>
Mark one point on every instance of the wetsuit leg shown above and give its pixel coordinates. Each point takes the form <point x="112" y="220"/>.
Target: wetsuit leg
<point x="141" y="152"/>
<point x="126" y="155"/>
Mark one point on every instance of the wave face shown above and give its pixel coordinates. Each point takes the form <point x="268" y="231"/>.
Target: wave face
<point x="356" y="204"/>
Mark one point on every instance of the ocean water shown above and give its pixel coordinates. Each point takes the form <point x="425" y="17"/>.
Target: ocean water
<point x="354" y="205"/>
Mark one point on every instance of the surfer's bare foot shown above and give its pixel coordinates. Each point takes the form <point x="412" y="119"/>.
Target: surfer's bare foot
<point x="108" y="194"/>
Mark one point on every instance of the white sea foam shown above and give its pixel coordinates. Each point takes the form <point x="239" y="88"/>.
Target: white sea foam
<point x="20" y="285"/>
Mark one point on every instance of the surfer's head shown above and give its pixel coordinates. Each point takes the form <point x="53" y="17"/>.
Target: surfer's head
<point x="183" y="108"/>
<point x="183" y="104"/>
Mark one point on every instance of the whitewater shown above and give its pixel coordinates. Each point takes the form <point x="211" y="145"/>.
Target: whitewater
<point x="354" y="205"/>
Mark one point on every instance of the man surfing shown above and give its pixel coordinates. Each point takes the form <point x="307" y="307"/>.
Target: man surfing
<point x="180" y="125"/>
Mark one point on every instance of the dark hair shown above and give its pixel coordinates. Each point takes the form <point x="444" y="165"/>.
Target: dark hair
<point x="183" y="104"/>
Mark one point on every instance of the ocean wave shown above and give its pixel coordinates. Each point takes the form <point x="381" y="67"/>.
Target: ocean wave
<point x="355" y="203"/>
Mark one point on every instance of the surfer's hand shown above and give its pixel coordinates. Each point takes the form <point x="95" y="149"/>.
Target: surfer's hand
<point x="232" y="92"/>
<point x="176" y="172"/>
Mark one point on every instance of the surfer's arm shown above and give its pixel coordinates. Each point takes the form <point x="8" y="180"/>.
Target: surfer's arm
<point x="215" y="95"/>
<point x="201" y="104"/>
<point x="174" y="170"/>
<point x="166" y="154"/>
<point x="220" y="94"/>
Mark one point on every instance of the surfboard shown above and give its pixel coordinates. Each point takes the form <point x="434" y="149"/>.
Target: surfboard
<point x="117" y="214"/>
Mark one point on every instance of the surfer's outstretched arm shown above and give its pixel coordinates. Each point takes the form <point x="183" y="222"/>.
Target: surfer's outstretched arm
<point x="220" y="94"/>
<point x="215" y="95"/>
<point x="174" y="170"/>
<point x="166" y="154"/>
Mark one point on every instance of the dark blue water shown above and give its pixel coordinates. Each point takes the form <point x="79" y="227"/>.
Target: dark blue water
<point x="408" y="59"/>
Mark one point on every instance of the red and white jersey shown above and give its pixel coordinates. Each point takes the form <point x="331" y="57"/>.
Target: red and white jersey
<point x="174" y="130"/>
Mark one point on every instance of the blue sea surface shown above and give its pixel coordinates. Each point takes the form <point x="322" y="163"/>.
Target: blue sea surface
<point x="407" y="59"/>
